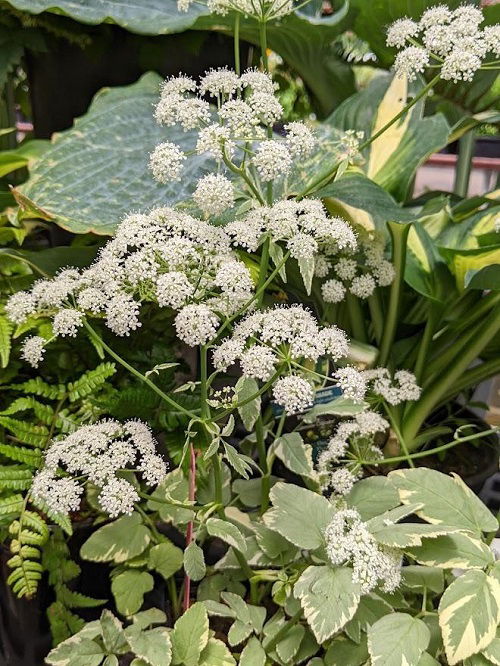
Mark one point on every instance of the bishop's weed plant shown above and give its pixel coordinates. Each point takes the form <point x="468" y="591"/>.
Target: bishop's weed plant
<point x="267" y="551"/>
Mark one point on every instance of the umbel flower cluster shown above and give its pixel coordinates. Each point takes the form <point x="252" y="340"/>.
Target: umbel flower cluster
<point x="166" y="257"/>
<point x="357" y="272"/>
<point x="281" y="338"/>
<point x="262" y="10"/>
<point x="449" y="40"/>
<point x="98" y="453"/>
<point x="348" y="541"/>
<point x="357" y="434"/>
<point x="236" y="132"/>
<point x="377" y="382"/>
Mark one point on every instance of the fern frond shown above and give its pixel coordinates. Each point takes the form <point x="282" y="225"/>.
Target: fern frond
<point x="91" y="380"/>
<point x="15" y="477"/>
<point x="73" y="599"/>
<point x="27" y="433"/>
<point x="37" y="523"/>
<point x="59" y="519"/>
<point x="21" y="454"/>
<point x="43" y="412"/>
<point x="12" y="504"/>
<point x="5" y="341"/>
<point x="63" y="623"/>
<point x="38" y="387"/>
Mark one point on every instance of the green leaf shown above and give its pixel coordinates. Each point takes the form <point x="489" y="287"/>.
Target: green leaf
<point x="145" y="619"/>
<point x="153" y="647"/>
<point x="5" y="333"/>
<point x="129" y="588"/>
<point x="328" y="598"/>
<point x="238" y="632"/>
<point x="194" y="562"/>
<point x="492" y="651"/>
<point x="76" y="651"/>
<point x="419" y="578"/>
<point x="227" y="532"/>
<point x="373" y="496"/>
<point x="176" y="488"/>
<point x="21" y="454"/>
<point x="166" y="559"/>
<point x="463" y="551"/>
<point x="11" y="504"/>
<point x="338" y="407"/>
<point x="26" y="432"/>
<point x="112" y="632"/>
<point x="343" y="651"/>
<point x="371" y="608"/>
<point x="190" y="636"/>
<point x="299" y="515"/>
<point x="409" y="534"/>
<point x="288" y="647"/>
<point x="295" y="455"/>
<point x="445" y="500"/>
<point x="216" y="654"/>
<point x="397" y="639"/>
<point x="118" y="541"/>
<point x="118" y="128"/>
<point x="253" y="654"/>
<point x="469" y="612"/>
<point x="246" y="387"/>
<point x="90" y="381"/>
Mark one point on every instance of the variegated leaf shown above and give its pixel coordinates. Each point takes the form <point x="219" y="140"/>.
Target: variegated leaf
<point x="397" y="640"/>
<point x="460" y="551"/>
<point x="328" y="597"/>
<point x="118" y="541"/>
<point x="410" y="534"/>
<point x="446" y="500"/>
<point x="469" y="612"/>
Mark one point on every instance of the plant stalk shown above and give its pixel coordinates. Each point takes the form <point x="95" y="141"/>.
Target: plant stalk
<point x="464" y="163"/>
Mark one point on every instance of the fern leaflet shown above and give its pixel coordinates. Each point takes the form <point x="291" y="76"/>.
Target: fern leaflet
<point x="91" y="380"/>
<point x="27" y="433"/>
<point x="21" y="454"/>
<point x="5" y="342"/>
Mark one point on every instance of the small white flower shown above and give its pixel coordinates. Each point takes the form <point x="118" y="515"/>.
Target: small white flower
<point x="166" y="162"/>
<point x="67" y="322"/>
<point x="91" y="299"/>
<point x="118" y="497"/>
<point x="258" y="362"/>
<point x="196" y="324"/>
<point x="215" y="140"/>
<point x="239" y="116"/>
<point x="214" y="194"/>
<point x="178" y="85"/>
<point x="491" y="36"/>
<point x="460" y="65"/>
<point x="299" y="140"/>
<point x="384" y="273"/>
<point x="346" y="268"/>
<point x="352" y="382"/>
<point x="245" y="233"/>
<point x="321" y="266"/>
<point x="293" y="393"/>
<point x="20" y="306"/>
<point x="227" y="353"/>
<point x="173" y="290"/>
<point x="362" y="286"/>
<point x="302" y="246"/>
<point x="333" y="291"/>
<point x="437" y="15"/>
<point x="334" y="342"/>
<point x="272" y="160"/>
<point x="221" y="81"/>
<point x="33" y="350"/>
<point x="258" y="82"/>
<point x="122" y="314"/>
<point x="342" y="481"/>
<point x="266" y="107"/>
<point x="411" y="61"/>
<point x="400" y="31"/>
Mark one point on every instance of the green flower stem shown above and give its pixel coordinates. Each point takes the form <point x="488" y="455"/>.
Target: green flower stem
<point x="264" y="265"/>
<point x="395" y="425"/>
<point x="429" y="452"/>
<point x="473" y="377"/>
<point x="325" y="178"/>
<point x="263" y="44"/>
<point x="138" y="374"/>
<point x="423" y="348"/>
<point x="446" y="381"/>
<point x="356" y="318"/>
<point x="270" y="644"/>
<point x="436" y="366"/>
<point x="464" y="163"/>
<point x="376" y="314"/>
<point x="399" y="234"/>
<point x="237" y="65"/>
<point x="205" y="407"/>
<point x="258" y="393"/>
<point x="266" y="479"/>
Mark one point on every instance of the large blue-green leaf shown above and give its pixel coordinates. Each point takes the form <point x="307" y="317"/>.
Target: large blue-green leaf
<point x="97" y="171"/>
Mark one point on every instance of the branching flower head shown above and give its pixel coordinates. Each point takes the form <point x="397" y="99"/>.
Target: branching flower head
<point x="449" y="40"/>
<point x="98" y="452"/>
<point x="259" y="9"/>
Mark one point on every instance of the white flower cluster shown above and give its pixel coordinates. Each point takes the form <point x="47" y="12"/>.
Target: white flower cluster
<point x="451" y="40"/>
<point x="262" y="10"/>
<point x="99" y="452"/>
<point x="358" y="433"/>
<point x="359" y="273"/>
<point x="356" y="384"/>
<point x="303" y="226"/>
<point x="264" y="340"/>
<point x="236" y="132"/>
<point x="348" y="541"/>
<point x="167" y="257"/>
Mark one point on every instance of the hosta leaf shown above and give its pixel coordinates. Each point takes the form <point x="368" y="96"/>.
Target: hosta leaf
<point x="469" y="612"/>
<point x="464" y="551"/>
<point x="445" y="500"/>
<point x="118" y="128"/>
<point x="194" y="561"/>
<point x="295" y="454"/>
<point x="397" y="640"/>
<point x="227" y="532"/>
<point x="166" y="559"/>
<point x="118" y="541"/>
<point x="328" y="598"/>
<point x="129" y="589"/>
<point x="299" y="515"/>
<point x="190" y="635"/>
<point x="153" y="646"/>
